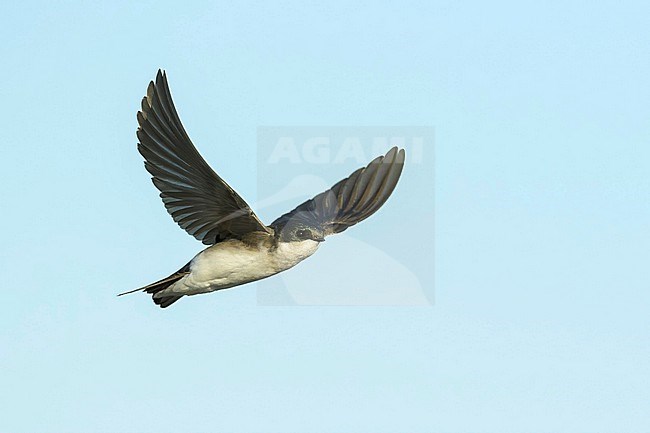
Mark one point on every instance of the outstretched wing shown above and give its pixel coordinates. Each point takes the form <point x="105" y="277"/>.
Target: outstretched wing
<point x="195" y="196"/>
<point x="351" y="200"/>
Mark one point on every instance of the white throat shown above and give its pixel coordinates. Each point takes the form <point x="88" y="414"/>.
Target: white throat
<point x="289" y="254"/>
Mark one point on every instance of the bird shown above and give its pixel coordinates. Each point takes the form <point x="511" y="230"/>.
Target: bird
<point x="240" y="248"/>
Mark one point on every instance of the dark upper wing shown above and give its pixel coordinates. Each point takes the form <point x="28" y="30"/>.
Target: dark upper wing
<point x="196" y="197"/>
<point x="351" y="200"/>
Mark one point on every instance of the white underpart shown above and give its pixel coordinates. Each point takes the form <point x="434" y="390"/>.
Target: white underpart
<point x="231" y="263"/>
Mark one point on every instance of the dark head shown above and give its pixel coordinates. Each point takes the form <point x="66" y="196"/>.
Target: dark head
<point x="300" y="232"/>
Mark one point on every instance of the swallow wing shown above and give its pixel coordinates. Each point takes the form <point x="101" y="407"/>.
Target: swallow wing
<point x="351" y="200"/>
<point x="202" y="203"/>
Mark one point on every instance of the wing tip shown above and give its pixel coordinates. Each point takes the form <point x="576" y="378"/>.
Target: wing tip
<point x="157" y="85"/>
<point x="401" y="155"/>
<point x="160" y="74"/>
<point x="395" y="153"/>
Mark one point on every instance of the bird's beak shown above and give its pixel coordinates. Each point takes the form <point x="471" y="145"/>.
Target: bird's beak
<point x="319" y="239"/>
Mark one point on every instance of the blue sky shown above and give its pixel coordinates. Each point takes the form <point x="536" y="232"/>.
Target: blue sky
<point x="538" y="288"/>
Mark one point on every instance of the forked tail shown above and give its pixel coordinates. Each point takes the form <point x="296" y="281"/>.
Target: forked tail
<point x="159" y="286"/>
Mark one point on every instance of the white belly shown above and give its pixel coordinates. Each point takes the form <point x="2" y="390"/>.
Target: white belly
<point x="231" y="263"/>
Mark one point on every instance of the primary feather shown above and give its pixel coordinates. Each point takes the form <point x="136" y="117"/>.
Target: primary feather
<point x="351" y="200"/>
<point x="200" y="201"/>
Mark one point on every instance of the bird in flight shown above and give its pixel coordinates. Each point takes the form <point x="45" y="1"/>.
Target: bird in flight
<point x="241" y="248"/>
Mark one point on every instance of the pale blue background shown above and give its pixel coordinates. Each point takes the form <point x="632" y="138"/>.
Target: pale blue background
<point x="540" y="322"/>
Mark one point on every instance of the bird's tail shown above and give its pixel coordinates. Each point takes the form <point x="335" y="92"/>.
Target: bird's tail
<point x="159" y="286"/>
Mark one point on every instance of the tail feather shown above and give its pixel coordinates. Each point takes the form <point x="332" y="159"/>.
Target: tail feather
<point x="166" y="301"/>
<point x="158" y="286"/>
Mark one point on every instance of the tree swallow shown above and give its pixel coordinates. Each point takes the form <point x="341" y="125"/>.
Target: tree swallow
<point x="241" y="248"/>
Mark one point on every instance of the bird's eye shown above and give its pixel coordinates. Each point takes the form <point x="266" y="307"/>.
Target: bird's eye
<point x="303" y="234"/>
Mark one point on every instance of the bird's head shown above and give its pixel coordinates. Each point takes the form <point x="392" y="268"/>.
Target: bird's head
<point x="298" y="232"/>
